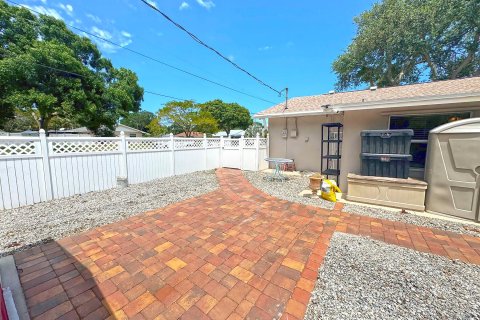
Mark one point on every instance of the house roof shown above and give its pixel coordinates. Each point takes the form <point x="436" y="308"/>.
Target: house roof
<point x="122" y="127"/>
<point x="233" y="132"/>
<point x="409" y="95"/>
<point x="193" y="135"/>
<point x="76" y="130"/>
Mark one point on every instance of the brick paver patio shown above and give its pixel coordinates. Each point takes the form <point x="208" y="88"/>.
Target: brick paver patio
<point x="234" y="253"/>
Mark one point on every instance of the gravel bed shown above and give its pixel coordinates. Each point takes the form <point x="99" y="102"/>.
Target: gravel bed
<point x="42" y="222"/>
<point x="457" y="227"/>
<point x="286" y="190"/>
<point x="363" y="278"/>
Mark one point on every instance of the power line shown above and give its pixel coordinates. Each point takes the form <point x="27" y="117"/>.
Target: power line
<point x="150" y="58"/>
<point x="77" y="75"/>
<point x="198" y="40"/>
<point x="163" y="95"/>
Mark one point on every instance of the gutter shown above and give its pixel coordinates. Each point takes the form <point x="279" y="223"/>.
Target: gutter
<point x="296" y="114"/>
<point x="384" y="104"/>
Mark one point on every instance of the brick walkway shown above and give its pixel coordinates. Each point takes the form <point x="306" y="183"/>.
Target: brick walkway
<point x="231" y="254"/>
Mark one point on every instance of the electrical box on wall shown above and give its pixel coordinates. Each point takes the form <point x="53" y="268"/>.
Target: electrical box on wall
<point x="293" y="133"/>
<point x="284" y="133"/>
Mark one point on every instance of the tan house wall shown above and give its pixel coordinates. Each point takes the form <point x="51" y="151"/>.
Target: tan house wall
<point x="305" y="148"/>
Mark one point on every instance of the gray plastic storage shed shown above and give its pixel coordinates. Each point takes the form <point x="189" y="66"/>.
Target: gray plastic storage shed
<point x="453" y="169"/>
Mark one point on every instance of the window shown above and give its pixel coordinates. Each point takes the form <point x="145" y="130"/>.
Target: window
<point x="421" y="125"/>
<point x="133" y="135"/>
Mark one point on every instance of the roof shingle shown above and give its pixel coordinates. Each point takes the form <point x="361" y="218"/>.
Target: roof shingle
<point x="420" y="90"/>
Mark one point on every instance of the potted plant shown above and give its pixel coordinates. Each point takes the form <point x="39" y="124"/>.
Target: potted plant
<point x="316" y="182"/>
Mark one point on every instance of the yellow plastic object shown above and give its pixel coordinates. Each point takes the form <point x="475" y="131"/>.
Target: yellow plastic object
<point x="329" y="187"/>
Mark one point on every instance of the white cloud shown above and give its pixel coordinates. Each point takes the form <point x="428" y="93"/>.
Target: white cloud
<point x="123" y="38"/>
<point x="126" y="34"/>
<point x="208" y="4"/>
<point x="101" y="33"/>
<point x="94" y="18"/>
<point x="290" y="44"/>
<point x="125" y="42"/>
<point x="44" y="10"/>
<point x="231" y="57"/>
<point x="265" y="48"/>
<point x="153" y="3"/>
<point x="184" y="5"/>
<point x="67" y="8"/>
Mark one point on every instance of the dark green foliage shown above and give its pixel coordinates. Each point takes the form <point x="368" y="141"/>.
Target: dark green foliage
<point x="138" y="120"/>
<point x="404" y="41"/>
<point x="34" y="50"/>
<point x="229" y="116"/>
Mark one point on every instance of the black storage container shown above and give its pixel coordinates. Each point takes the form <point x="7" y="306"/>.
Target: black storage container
<point x="386" y="165"/>
<point x="387" y="141"/>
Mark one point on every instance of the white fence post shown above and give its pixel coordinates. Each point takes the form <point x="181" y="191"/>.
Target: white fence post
<point x="221" y="151"/>
<point x="205" y="150"/>
<point x="268" y="145"/>
<point x="123" y="160"/>
<point x="257" y="152"/>
<point x="172" y="146"/>
<point x="46" y="165"/>
<point x="241" y="146"/>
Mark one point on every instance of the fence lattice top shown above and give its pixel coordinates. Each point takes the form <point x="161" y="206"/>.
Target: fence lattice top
<point x="62" y="147"/>
<point x="17" y="148"/>
<point x="148" y="145"/>
<point x="213" y="143"/>
<point x="24" y="146"/>
<point x="188" y="143"/>
<point x="231" y="143"/>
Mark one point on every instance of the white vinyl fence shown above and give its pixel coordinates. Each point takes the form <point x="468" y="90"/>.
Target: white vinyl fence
<point x="36" y="169"/>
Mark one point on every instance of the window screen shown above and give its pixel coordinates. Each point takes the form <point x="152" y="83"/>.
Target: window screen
<point x="421" y="126"/>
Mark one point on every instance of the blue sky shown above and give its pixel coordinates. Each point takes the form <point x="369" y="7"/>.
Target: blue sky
<point x="284" y="43"/>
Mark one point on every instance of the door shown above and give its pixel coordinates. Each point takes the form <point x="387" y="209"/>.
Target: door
<point x="454" y="174"/>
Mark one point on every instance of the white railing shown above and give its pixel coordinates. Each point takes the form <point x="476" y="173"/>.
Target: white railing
<point x="36" y="169"/>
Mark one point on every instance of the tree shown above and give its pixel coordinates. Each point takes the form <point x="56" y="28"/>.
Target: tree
<point x="254" y="128"/>
<point x="21" y="121"/>
<point x="138" y="120"/>
<point x="155" y="129"/>
<point x="188" y="117"/>
<point x="228" y="115"/>
<point x="50" y="72"/>
<point x="404" y="41"/>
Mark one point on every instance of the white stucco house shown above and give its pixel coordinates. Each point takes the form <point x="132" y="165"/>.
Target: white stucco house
<point x="296" y="131"/>
<point x="235" y="133"/>
<point x="85" y="132"/>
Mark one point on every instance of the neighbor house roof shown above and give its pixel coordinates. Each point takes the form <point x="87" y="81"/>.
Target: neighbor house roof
<point x="438" y="92"/>
<point x="122" y="127"/>
<point x="76" y="130"/>
<point x="192" y="135"/>
<point x="233" y="132"/>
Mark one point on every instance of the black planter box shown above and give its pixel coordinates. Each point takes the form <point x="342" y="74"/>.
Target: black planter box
<point x="386" y="141"/>
<point x="386" y="165"/>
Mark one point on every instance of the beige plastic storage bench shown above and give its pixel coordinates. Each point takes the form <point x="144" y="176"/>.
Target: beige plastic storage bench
<point x="391" y="192"/>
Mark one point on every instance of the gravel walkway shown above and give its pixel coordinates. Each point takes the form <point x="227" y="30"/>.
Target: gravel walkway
<point x="286" y="190"/>
<point x="290" y="189"/>
<point x="363" y="278"/>
<point x="25" y="226"/>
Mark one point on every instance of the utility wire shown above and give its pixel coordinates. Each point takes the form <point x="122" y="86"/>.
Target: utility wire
<point x="198" y="40"/>
<point x="150" y="58"/>
<point x="77" y="75"/>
